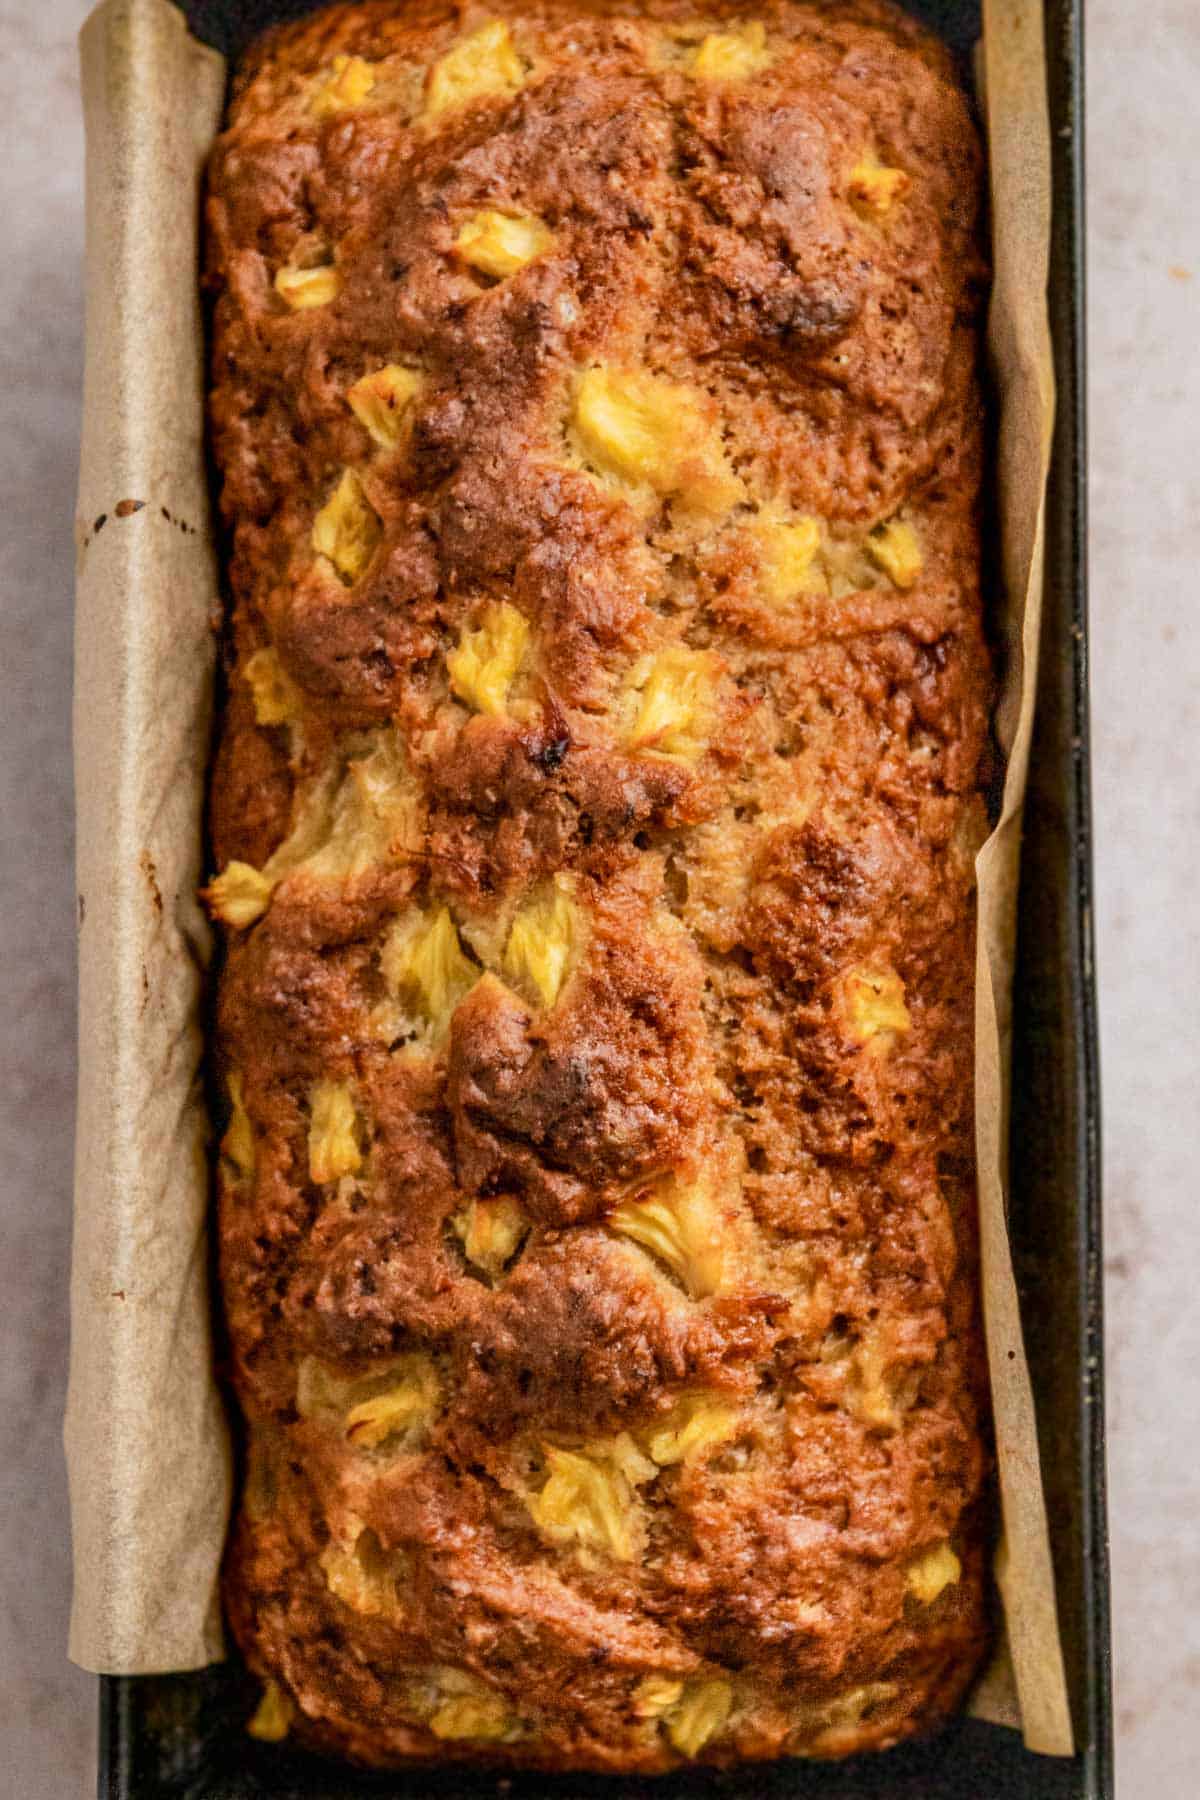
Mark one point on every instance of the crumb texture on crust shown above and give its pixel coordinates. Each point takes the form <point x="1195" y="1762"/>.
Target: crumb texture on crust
<point x="598" y="429"/>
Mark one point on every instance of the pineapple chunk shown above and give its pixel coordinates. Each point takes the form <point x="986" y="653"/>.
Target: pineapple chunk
<point x="491" y="1232"/>
<point x="869" y="1394"/>
<point x="276" y="698"/>
<point x="319" y="1389"/>
<point x="837" y="1722"/>
<point x="353" y="820"/>
<point x="482" y="667"/>
<point x="653" y="433"/>
<point x="624" y="1455"/>
<point x="273" y="1716"/>
<point x="789" y="558"/>
<point x="626" y="425"/>
<point x="681" y="1227"/>
<point x="481" y="1716"/>
<point x="498" y="244"/>
<point x="347" y="84"/>
<point x="359" y="1572"/>
<point x="238" y="895"/>
<point x="406" y="1407"/>
<point x="699" y="1714"/>
<point x="875" y="1003"/>
<point x="541" y="943"/>
<point x="895" y="548"/>
<point x="693" y="1427"/>
<point x="237" y="1145"/>
<point x="302" y="288"/>
<point x="322" y="1393"/>
<point x="382" y="401"/>
<point x="455" y="1704"/>
<point x="937" y="1569"/>
<point x="869" y="1386"/>
<point x="588" y="1500"/>
<point x="874" y="187"/>
<point x="481" y="65"/>
<point x="424" y="963"/>
<point x="675" y="699"/>
<point x="656" y="1695"/>
<point x="347" y="529"/>
<point x="732" y="55"/>
<point x="349" y="821"/>
<point x="332" y="1144"/>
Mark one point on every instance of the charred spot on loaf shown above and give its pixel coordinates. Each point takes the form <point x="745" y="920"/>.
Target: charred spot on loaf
<point x="548" y="745"/>
<point x="548" y="752"/>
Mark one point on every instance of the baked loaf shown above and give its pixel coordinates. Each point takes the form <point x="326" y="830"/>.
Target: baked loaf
<point x="595" y="406"/>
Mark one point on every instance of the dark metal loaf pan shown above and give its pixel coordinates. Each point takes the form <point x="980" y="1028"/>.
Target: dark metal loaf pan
<point x="181" y="1737"/>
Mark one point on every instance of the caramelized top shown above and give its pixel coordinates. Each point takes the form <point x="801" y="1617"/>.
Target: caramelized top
<point x="595" y="408"/>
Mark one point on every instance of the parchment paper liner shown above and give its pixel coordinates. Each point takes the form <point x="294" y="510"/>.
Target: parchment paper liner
<point x="146" y="1439"/>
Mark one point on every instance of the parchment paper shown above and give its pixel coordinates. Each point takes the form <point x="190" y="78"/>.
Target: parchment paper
<point x="147" y="1444"/>
<point x="145" y="1436"/>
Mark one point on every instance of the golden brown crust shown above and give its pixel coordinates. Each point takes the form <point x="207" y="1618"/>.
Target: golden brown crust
<point x="599" y="435"/>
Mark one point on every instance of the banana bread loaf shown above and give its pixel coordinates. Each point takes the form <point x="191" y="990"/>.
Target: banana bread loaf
<point x="596" y="412"/>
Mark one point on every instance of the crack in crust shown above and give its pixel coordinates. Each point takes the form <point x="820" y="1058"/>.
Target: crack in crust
<point x="595" y="406"/>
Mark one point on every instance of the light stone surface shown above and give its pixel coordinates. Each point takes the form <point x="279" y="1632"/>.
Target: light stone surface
<point x="1144" y="249"/>
<point x="47" y="1708"/>
<point x="1144" y="132"/>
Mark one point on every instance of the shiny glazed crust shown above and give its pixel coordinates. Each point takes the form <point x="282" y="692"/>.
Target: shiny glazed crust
<point x="596" y="414"/>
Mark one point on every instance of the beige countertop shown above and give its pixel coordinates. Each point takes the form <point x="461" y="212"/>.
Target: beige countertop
<point x="1144" y="247"/>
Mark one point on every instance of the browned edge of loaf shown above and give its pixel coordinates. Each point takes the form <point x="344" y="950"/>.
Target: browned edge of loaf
<point x="596" y="1198"/>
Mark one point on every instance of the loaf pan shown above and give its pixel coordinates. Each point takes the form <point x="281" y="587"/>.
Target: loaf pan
<point x="181" y="1737"/>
